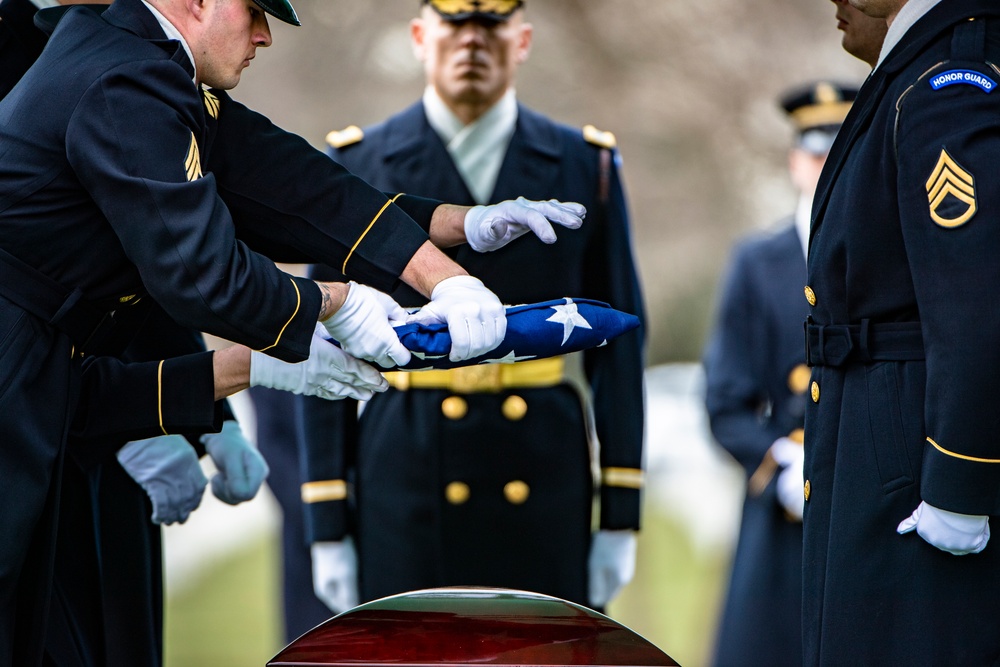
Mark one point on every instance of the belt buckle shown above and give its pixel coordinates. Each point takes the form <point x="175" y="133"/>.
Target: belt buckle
<point x="478" y="378"/>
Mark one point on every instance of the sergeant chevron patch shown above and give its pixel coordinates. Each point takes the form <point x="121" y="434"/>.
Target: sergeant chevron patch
<point x="192" y="163"/>
<point x="951" y="193"/>
<point x="211" y="103"/>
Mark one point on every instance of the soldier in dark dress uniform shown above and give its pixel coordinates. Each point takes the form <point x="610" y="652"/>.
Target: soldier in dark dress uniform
<point x="486" y="476"/>
<point x="900" y="422"/>
<point x="756" y="381"/>
<point x="111" y="173"/>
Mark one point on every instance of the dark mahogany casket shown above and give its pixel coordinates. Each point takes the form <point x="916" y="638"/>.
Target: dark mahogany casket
<point x="470" y="626"/>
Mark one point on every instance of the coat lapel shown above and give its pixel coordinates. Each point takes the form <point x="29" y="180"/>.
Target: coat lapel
<point x="532" y="161"/>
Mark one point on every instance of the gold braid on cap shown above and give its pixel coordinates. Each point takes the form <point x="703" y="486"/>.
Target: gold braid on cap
<point x="499" y="7"/>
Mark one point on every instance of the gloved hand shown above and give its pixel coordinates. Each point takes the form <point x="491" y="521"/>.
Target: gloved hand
<point x="489" y="228"/>
<point x="167" y="469"/>
<point x="958" y="534"/>
<point x="790" y="456"/>
<point x="475" y="317"/>
<point x="329" y="372"/>
<point x="362" y="327"/>
<point x="241" y="468"/>
<point x="335" y="574"/>
<point x="611" y="565"/>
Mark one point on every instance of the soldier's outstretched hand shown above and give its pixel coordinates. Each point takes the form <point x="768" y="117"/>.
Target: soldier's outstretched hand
<point x="492" y="227"/>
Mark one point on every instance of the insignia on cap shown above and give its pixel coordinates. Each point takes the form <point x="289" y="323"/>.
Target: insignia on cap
<point x="599" y="137"/>
<point x="211" y="103"/>
<point x="461" y="7"/>
<point x="951" y="192"/>
<point x="192" y="163"/>
<point x="346" y="137"/>
<point x="966" y="76"/>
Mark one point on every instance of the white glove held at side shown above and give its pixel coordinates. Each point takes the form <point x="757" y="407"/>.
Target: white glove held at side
<point x="958" y="534"/>
<point x="475" y="317"/>
<point x="363" y="329"/>
<point x="492" y="227"/>
<point x="241" y="468"/>
<point x="611" y="565"/>
<point x="790" y="456"/>
<point x="329" y="372"/>
<point x="335" y="574"/>
<point x="167" y="469"/>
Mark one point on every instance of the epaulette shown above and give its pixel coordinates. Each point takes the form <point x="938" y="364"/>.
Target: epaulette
<point x="349" y="135"/>
<point x="599" y="137"/>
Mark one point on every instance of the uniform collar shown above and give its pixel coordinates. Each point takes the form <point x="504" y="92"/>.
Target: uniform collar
<point x="173" y="33"/>
<point x="911" y="12"/>
<point x="45" y="4"/>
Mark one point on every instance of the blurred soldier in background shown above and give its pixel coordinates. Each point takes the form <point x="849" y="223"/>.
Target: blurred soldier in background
<point x="756" y="380"/>
<point x="486" y="476"/>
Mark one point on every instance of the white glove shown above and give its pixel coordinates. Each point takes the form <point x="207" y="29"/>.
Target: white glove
<point x="475" y="317"/>
<point x="790" y="456"/>
<point x="363" y="329"/>
<point x="958" y="534"/>
<point x="492" y="227"/>
<point x="335" y="574"/>
<point x="611" y="565"/>
<point x="241" y="468"/>
<point x="167" y="469"/>
<point x="329" y="372"/>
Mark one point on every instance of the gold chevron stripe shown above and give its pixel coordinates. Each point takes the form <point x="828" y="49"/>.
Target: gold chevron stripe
<point x="192" y="163"/>
<point x="211" y="103"/>
<point x="321" y="492"/>
<point x="949" y="179"/>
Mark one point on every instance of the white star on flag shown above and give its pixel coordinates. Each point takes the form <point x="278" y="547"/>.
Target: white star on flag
<point x="508" y="358"/>
<point x="569" y="317"/>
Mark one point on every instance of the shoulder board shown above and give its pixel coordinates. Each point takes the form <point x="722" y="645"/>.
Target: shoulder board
<point x="346" y="137"/>
<point x="599" y="137"/>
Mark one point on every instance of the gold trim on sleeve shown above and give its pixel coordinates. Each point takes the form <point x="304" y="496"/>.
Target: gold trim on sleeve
<point x="321" y="492"/>
<point x="343" y="269"/>
<point x="956" y="455"/>
<point x="629" y="478"/>
<point x="159" y="394"/>
<point x="298" y="304"/>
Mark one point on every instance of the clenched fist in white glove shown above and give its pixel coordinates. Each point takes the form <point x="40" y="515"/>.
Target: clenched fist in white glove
<point x="475" y="317"/>
<point x="363" y="329"/>
<point x="790" y="456"/>
<point x="329" y="372"/>
<point x="490" y="228"/>
<point x="167" y="469"/>
<point x="335" y="574"/>
<point x="611" y="565"/>
<point x="958" y="534"/>
<point x="241" y="468"/>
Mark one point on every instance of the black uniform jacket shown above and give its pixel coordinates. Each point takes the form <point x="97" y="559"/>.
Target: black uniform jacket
<point x="901" y="408"/>
<point x="411" y="462"/>
<point x="756" y="380"/>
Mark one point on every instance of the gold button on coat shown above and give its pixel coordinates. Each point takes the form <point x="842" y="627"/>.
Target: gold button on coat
<point x="516" y="492"/>
<point x="815" y="392"/>
<point x="810" y="296"/>
<point x="806" y="490"/>
<point x="798" y="379"/>
<point x="457" y="493"/>
<point x="454" y="407"/>
<point x="514" y="408"/>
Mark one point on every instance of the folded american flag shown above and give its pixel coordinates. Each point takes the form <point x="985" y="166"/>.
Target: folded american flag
<point x="534" y="331"/>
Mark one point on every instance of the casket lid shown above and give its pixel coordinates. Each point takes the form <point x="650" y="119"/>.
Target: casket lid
<point x="464" y="626"/>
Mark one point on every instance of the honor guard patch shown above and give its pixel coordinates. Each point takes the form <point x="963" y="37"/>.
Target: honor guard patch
<point x="346" y="137"/>
<point x="211" y="103"/>
<point x="192" y="163"/>
<point x="599" y="137"/>
<point x="966" y="76"/>
<point x="951" y="193"/>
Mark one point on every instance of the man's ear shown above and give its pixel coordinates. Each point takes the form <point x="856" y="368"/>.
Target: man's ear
<point x="417" y="31"/>
<point x="524" y="43"/>
<point x="197" y="8"/>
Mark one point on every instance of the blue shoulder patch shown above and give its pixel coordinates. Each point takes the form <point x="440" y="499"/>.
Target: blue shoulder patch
<point x="967" y="76"/>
